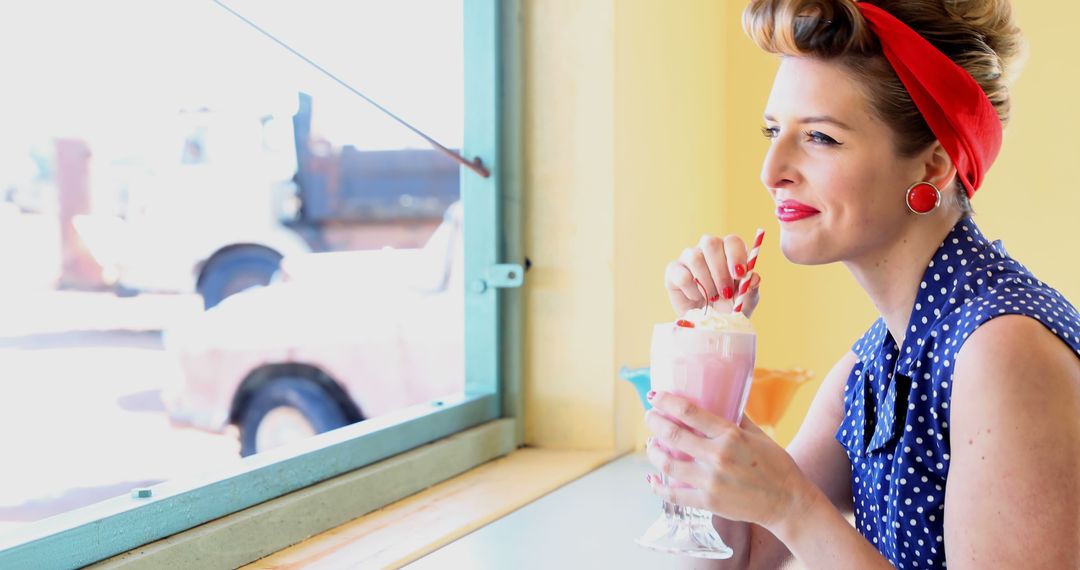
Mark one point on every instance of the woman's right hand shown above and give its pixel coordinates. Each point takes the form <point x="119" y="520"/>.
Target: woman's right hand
<point x="718" y="264"/>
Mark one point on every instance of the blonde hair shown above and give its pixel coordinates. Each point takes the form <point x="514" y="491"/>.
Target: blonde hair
<point x="981" y="36"/>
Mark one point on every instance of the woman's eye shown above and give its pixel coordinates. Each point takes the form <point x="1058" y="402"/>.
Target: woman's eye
<point x="770" y="132"/>
<point x="821" y="138"/>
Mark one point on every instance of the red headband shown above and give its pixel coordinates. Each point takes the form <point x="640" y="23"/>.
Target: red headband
<point x="956" y="108"/>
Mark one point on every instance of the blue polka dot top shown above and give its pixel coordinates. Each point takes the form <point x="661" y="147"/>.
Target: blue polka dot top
<point x="896" y="401"/>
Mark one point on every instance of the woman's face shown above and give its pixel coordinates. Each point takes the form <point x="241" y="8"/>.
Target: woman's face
<point x="832" y="170"/>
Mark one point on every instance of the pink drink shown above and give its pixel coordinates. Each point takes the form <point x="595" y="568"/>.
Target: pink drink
<point x="711" y="367"/>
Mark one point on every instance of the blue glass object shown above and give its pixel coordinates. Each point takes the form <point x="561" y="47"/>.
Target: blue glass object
<point x="639" y="377"/>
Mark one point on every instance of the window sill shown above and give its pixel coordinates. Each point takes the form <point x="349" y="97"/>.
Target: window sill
<point x="318" y="525"/>
<point x="411" y="528"/>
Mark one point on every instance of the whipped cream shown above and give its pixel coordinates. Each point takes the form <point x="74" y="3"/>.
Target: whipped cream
<point x="718" y="320"/>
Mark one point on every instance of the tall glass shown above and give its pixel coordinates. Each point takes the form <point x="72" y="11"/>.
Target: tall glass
<point x="714" y="369"/>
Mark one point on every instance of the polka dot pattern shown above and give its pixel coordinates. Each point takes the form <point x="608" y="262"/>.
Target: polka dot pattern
<point x="896" y="400"/>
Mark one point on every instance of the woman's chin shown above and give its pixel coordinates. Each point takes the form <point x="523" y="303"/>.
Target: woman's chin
<point x="801" y="251"/>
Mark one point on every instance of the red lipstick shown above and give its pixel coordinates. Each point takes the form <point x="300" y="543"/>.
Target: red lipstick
<point x="793" y="211"/>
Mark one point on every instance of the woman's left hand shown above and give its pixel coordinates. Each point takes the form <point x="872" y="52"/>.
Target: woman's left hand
<point x="739" y="473"/>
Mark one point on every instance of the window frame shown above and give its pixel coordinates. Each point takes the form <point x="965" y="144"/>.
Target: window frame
<point x="492" y="355"/>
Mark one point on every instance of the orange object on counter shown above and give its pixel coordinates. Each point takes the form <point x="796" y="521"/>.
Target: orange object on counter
<point x="771" y="393"/>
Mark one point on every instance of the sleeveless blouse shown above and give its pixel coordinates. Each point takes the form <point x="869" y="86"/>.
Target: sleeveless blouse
<point x="896" y="400"/>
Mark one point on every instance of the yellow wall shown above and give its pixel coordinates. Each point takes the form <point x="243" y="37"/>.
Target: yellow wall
<point x="568" y="205"/>
<point x="641" y="133"/>
<point x="623" y="167"/>
<point x="669" y="170"/>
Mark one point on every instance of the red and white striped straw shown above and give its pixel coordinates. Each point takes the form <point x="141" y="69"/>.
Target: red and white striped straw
<point x="751" y="261"/>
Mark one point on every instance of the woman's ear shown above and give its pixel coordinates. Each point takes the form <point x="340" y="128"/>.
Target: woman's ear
<point x="939" y="168"/>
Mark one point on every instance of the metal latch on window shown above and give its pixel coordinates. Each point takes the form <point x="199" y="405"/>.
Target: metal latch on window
<point x="501" y="276"/>
<point x="506" y="275"/>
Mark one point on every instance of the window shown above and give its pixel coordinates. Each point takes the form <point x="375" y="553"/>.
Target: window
<point x="101" y="177"/>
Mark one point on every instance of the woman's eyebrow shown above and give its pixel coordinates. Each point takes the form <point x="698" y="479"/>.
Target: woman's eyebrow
<point x="816" y="119"/>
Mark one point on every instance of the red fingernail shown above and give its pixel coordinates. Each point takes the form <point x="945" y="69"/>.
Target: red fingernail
<point x="739" y="270"/>
<point x="728" y="292"/>
<point x="714" y="298"/>
<point x="684" y="323"/>
<point x="651" y="394"/>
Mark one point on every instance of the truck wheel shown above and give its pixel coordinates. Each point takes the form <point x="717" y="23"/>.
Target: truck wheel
<point x="236" y="269"/>
<point x="285" y="410"/>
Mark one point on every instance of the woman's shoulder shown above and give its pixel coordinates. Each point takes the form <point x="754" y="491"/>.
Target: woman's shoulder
<point x="1016" y="338"/>
<point x="988" y="283"/>
<point x="1023" y="335"/>
<point x="1033" y="308"/>
<point x="982" y="297"/>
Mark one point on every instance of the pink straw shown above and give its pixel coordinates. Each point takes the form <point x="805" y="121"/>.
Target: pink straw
<point x="751" y="261"/>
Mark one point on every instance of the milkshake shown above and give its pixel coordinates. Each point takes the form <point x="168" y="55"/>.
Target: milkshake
<point x="708" y="358"/>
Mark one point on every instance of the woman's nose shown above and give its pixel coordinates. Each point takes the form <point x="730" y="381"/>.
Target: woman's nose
<point x="778" y="170"/>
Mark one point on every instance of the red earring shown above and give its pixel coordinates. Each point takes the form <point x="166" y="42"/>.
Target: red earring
<point x="923" y="198"/>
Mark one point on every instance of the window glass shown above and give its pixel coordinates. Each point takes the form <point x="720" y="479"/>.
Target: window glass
<point x="210" y="249"/>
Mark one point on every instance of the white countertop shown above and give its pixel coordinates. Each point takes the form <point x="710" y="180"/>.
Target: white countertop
<point x="589" y="523"/>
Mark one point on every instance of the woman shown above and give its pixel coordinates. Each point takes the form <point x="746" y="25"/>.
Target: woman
<point x="951" y="428"/>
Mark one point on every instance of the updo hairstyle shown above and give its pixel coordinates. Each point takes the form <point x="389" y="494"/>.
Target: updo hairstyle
<point x="981" y="36"/>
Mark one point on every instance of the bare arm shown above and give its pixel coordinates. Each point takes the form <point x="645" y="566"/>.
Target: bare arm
<point x="1013" y="495"/>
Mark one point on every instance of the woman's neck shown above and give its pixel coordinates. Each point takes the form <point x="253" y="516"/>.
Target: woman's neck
<point x="891" y="275"/>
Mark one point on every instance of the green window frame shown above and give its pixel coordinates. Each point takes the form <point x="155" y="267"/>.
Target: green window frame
<point x="492" y="353"/>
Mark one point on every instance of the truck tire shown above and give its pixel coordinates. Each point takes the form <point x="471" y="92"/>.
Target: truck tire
<point x="232" y="270"/>
<point x="284" y="410"/>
